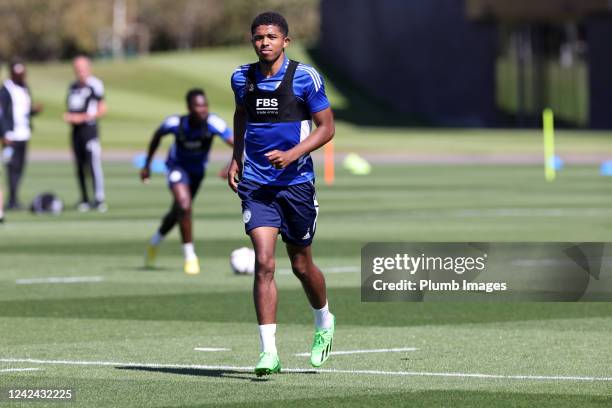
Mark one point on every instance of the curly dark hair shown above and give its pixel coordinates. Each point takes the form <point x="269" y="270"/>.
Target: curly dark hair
<point x="192" y="93"/>
<point x="270" y="18"/>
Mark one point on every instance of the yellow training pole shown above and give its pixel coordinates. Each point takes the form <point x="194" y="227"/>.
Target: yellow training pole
<point x="548" y="123"/>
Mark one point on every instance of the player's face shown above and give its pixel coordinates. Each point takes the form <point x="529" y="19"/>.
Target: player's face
<point x="198" y="108"/>
<point x="19" y="74"/>
<point x="269" y="42"/>
<point x="82" y="69"/>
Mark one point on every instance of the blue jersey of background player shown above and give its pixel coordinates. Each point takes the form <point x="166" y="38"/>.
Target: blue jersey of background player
<point x="189" y="152"/>
<point x="186" y="166"/>
<point x="276" y="100"/>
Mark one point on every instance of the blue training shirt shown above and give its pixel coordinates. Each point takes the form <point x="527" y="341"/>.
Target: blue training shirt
<point x="261" y="138"/>
<point x="179" y="154"/>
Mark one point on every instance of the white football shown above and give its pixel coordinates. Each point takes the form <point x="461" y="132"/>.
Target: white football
<point x="242" y="261"/>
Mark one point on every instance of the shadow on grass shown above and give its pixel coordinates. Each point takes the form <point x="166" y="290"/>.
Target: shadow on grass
<point x="210" y="372"/>
<point x="199" y="372"/>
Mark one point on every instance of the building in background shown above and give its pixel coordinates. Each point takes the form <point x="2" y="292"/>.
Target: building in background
<point x="477" y="62"/>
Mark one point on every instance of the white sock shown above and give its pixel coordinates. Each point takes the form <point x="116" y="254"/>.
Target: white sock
<point x="188" y="251"/>
<point x="156" y="239"/>
<point x="323" y="319"/>
<point x="267" y="337"/>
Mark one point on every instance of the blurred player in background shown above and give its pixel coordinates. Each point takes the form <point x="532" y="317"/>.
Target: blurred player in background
<point x="1" y="184"/>
<point x="276" y="100"/>
<point x="186" y="166"/>
<point x="17" y="110"/>
<point x="85" y="105"/>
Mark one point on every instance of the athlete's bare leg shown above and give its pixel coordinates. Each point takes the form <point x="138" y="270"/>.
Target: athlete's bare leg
<point x="309" y="274"/>
<point x="264" y="287"/>
<point x="182" y="197"/>
<point x="179" y="212"/>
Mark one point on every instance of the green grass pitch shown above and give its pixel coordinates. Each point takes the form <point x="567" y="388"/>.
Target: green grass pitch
<point x="128" y="336"/>
<point x="129" y="339"/>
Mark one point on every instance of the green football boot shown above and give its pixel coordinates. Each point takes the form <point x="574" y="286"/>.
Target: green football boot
<point x="268" y="364"/>
<point x="322" y="345"/>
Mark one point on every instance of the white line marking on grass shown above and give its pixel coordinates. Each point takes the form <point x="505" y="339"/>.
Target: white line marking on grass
<point x="390" y="350"/>
<point x="68" y="279"/>
<point x="13" y="370"/>
<point x="309" y="370"/>
<point x="468" y="375"/>
<point x="538" y="262"/>
<point x="528" y="263"/>
<point x="211" y="349"/>
<point x="525" y="212"/>
<point x="331" y="269"/>
<point x="342" y="269"/>
<point x="118" y="364"/>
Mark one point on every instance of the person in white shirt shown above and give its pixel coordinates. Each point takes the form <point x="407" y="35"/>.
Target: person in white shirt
<point x="1" y="186"/>
<point x="16" y="127"/>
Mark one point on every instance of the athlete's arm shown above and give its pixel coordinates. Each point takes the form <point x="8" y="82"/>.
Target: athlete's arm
<point x="98" y="93"/>
<point x="322" y="134"/>
<point x="78" y="118"/>
<point x="101" y="111"/>
<point x="145" y="172"/>
<point x="86" y="117"/>
<point x="36" y="109"/>
<point x="225" y="170"/>
<point x="235" y="169"/>
<point x="4" y="123"/>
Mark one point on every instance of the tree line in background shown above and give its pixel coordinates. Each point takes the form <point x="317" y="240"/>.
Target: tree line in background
<point x="58" y="29"/>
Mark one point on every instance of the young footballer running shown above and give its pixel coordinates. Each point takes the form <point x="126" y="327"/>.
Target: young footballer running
<point x="186" y="166"/>
<point x="277" y="100"/>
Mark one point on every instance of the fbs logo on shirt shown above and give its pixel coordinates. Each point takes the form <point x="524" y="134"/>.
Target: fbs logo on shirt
<point x="266" y="105"/>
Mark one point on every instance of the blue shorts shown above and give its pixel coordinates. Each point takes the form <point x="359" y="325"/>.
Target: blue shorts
<point x="178" y="175"/>
<point x="292" y="209"/>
